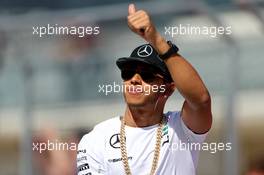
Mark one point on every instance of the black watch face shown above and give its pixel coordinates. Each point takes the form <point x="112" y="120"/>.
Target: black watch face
<point x="175" y="48"/>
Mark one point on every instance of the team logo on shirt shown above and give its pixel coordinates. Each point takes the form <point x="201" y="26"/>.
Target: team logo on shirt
<point x="81" y="151"/>
<point x="165" y="135"/>
<point x="83" y="158"/>
<point x="115" y="141"/>
<point x="118" y="159"/>
<point x="83" y="167"/>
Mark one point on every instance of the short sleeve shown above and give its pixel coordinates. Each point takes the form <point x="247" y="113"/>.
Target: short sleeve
<point x="178" y="124"/>
<point x="90" y="159"/>
<point x="192" y="137"/>
<point x="185" y="135"/>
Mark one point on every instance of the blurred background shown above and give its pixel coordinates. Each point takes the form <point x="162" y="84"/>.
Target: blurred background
<point x="49" y="85"/>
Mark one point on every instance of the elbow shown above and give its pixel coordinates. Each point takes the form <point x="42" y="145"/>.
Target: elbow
<point x="204" y="99"/>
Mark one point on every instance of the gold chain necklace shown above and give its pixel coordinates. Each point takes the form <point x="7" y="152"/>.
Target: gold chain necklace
<point x="124" y="152"/>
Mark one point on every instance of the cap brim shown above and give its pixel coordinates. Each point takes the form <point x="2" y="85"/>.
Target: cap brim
<point x="122" y="62"/>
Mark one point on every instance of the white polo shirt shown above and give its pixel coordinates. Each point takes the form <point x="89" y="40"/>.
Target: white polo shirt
<point x="99" y="151"/>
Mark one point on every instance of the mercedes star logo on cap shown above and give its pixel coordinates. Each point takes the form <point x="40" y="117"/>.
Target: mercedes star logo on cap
<point x="145" y="51"/>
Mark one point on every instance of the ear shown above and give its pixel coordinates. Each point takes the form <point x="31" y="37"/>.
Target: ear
<point x="170" y="88"/>
<point x="173" y="86"/>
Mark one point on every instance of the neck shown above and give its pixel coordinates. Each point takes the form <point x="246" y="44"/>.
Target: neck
<point x="141" y="117"/>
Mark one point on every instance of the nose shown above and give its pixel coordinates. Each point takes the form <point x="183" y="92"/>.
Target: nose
<point x="136" y="79"/>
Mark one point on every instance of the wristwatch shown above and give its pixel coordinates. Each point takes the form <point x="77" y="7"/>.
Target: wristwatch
<point x="172" y="50"/>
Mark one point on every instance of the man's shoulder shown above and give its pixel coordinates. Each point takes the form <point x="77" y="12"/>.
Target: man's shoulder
<point x="174" y="120"/>
<point x="173" y="115"/>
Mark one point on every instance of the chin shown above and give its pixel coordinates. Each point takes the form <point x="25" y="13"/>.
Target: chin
<point x="139" y="101"/>
<point x="136" y="104"/>
<point x="135" y="101"/>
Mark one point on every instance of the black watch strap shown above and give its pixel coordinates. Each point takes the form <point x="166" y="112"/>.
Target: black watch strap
<point x="172" y="50"/>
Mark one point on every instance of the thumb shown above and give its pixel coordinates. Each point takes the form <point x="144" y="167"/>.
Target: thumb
<point x="131" y="9"/>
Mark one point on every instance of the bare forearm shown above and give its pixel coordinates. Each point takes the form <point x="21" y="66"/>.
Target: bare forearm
<point x="185" y="77"/>
<point x="187" y="81"/>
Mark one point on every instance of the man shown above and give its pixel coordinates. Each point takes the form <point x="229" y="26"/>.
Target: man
<point x="144" y="140"/>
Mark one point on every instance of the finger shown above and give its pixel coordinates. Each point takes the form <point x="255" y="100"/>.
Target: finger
<point x="134" y="20"/>
<point x="137" y="14"/>
<point x="141" y="22"/>
<point x="135" y="17"/>
<point x="131" y="9"/>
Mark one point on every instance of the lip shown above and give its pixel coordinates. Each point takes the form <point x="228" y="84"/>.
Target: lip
<point x="134" y="90"/>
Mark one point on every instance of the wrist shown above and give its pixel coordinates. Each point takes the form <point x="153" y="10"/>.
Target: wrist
<point x="160" y="44"/>
<point x="170" y="52"/>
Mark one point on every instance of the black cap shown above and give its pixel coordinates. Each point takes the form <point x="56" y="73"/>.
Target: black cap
<point x="146" y="54"/>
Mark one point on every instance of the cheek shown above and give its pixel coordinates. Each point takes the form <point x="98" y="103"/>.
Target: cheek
<point x="152" y="89"/>
<point x="151" y="94"/>
<point x="147" y="90"/>
<point x="152" y="98"/>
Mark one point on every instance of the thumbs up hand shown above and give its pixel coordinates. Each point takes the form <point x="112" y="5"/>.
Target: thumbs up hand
<point x="140" y="23"/>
